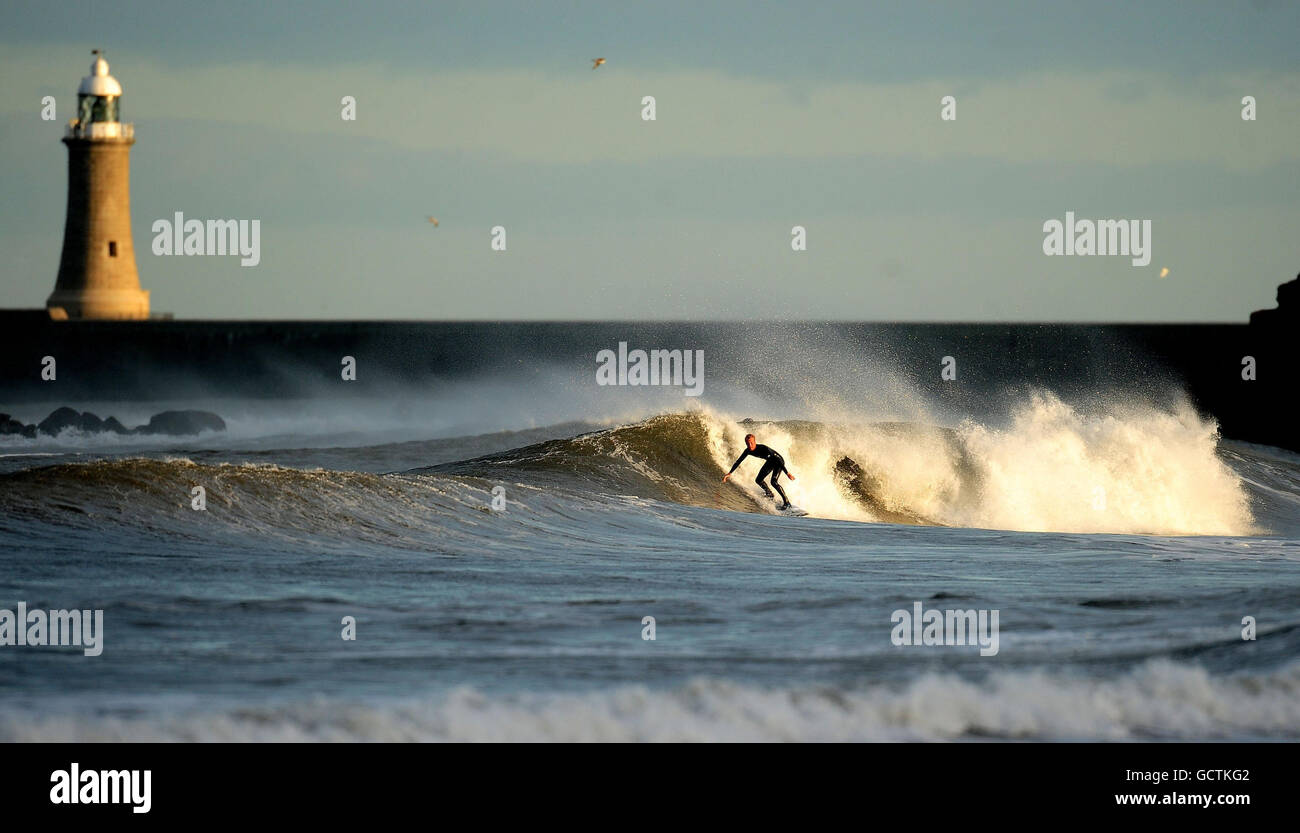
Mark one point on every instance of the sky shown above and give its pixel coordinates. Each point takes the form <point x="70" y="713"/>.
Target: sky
<point x="824" y="115"/>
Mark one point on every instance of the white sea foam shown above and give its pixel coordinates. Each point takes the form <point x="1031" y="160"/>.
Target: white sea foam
<point x="1052" y="468"/>
<point x="1160" y="700"/>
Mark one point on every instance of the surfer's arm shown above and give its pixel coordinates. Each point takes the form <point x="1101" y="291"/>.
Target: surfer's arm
<point x="736" y="464"/>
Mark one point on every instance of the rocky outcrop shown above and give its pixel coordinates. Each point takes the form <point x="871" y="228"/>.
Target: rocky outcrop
<point x="167" y="424"/>
<point x="65" y="418"/>
<point x="9" y="425"/>
<point x="1287" y="310"/>
<point x="182" y="423"/>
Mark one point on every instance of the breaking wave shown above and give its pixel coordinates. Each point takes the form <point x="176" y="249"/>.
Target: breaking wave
<point x="1161" y="700"/>
<point x="1051" y="467"/>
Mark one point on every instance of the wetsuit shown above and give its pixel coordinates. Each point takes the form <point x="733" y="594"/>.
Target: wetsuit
<point x="774" y="465"/>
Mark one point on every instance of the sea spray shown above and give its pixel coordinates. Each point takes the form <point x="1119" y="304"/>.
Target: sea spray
<point x="1054" y="467"/>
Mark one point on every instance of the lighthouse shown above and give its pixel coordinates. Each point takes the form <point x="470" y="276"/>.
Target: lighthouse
<point x="97" y="274"/>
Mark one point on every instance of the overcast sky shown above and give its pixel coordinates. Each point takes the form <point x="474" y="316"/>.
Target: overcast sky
<point x="769" y="115"/>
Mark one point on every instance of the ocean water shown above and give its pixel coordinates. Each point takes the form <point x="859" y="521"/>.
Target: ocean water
<point x="1121" y="544"/>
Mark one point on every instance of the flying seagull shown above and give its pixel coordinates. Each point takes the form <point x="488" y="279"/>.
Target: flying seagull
<point x="595" y="62"/>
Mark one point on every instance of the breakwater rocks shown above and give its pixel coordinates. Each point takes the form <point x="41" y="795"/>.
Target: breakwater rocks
<point x="167" y="424"/>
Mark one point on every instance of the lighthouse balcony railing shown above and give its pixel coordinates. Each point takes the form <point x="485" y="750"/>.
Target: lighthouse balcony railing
<point x="100" y="130"/>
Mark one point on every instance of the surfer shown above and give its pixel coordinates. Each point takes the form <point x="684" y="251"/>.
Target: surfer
<point x="774" y="465"/>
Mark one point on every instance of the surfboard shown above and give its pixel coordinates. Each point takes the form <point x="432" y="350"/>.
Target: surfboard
<point x="793" y="510"/>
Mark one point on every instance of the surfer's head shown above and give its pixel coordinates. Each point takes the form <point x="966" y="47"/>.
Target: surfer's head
<point x="750" y="441"/>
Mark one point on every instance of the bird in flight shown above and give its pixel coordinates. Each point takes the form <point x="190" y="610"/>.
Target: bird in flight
<point x="434" y="220"/>
<point x="595" y="62"/>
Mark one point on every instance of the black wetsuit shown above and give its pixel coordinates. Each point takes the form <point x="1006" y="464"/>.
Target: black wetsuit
<point x="774" y="465"/>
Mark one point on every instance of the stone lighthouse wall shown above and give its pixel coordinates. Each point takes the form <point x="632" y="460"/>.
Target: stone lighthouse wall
<point x="97" y="273"/>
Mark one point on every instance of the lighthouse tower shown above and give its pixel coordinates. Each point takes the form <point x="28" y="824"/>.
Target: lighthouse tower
<point x="97" y="276"/>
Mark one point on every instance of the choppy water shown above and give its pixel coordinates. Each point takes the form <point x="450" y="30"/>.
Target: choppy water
<point x="1122" y="548"/>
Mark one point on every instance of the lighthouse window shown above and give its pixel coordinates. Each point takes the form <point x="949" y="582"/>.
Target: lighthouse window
<point x="112" y="248"/>
<point x="95" y="108"/>
<point x="105" y="109"/>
